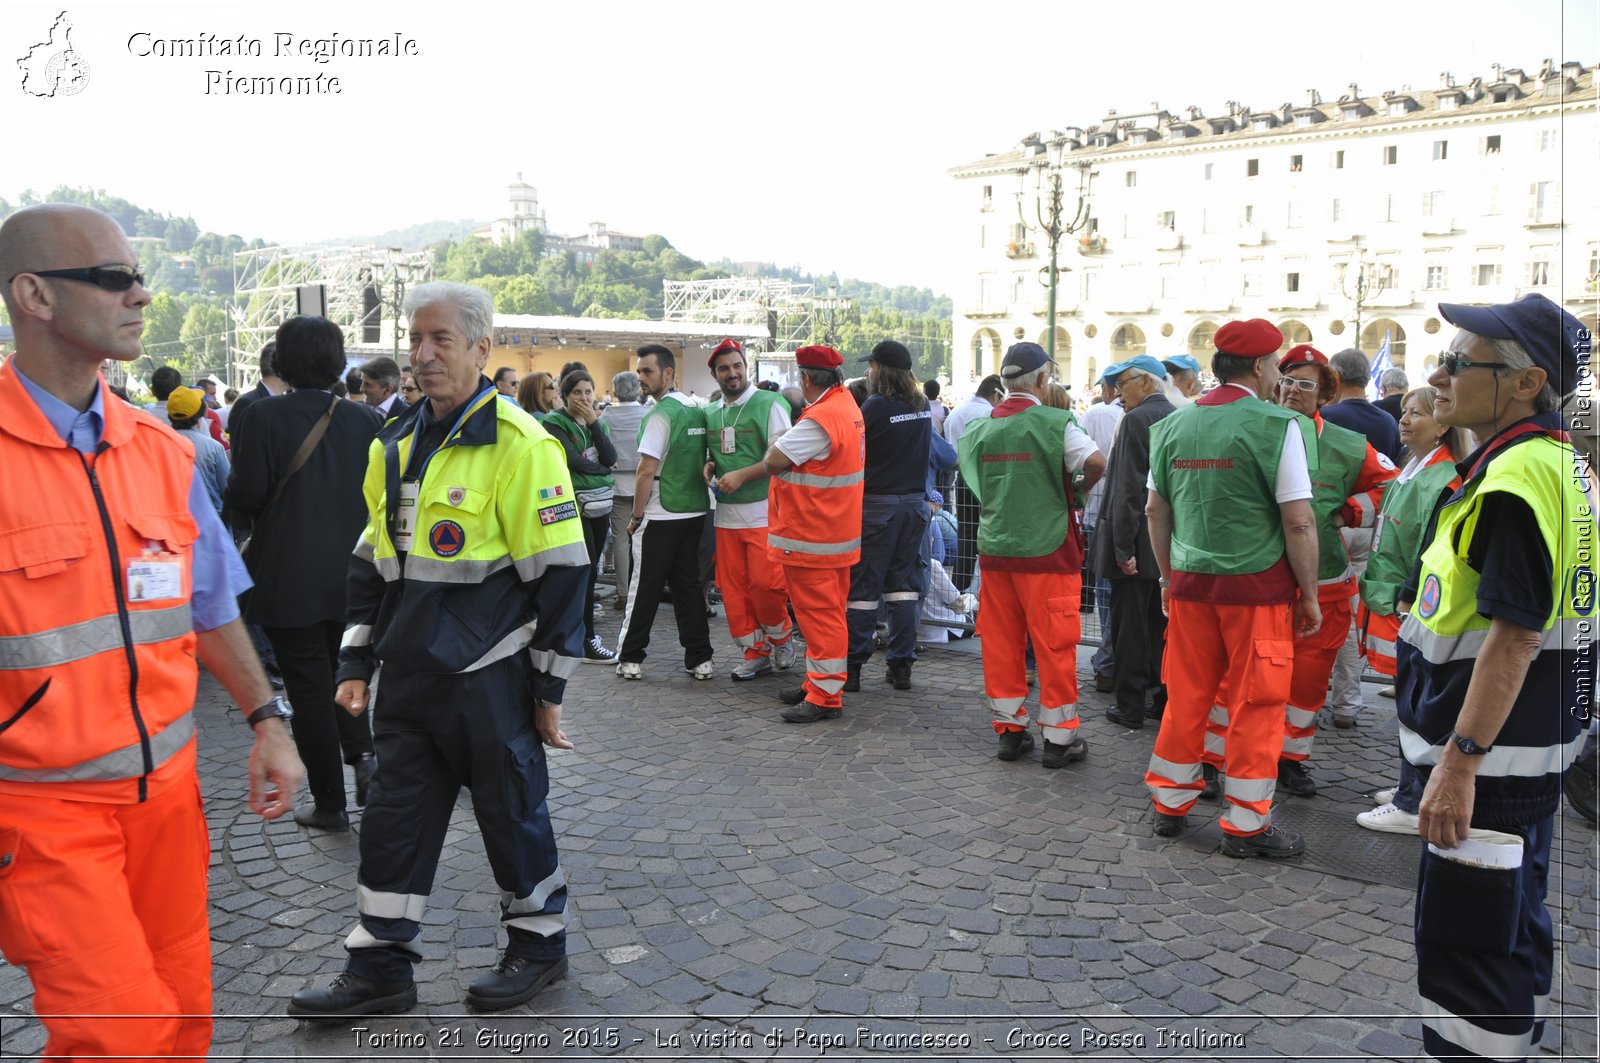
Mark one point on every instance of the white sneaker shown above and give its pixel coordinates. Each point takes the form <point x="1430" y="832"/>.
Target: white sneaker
<point x="1383" y="797"/>
<point x="752" y="668"/>
<point x="702" y="670"/>
<point x="630" y="669"/>
<point x="783" y="654"/>
<point x="1389" y="819"/>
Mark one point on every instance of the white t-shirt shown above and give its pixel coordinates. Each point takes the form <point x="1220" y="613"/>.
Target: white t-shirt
<point x="751" y="514"/>
<point x="653" y="444"/>
<point x="807" y="440"/>
<point x="1294" y="476"/>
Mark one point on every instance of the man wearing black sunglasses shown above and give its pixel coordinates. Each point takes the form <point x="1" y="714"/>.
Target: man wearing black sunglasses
<point x="1496" y="674"/>
<point x="112" y="582"/>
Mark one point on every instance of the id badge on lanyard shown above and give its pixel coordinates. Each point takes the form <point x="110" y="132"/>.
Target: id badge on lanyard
<point x="725" y="440"/>
<point x="406" y="517"/>
<point x="154" y="576"/>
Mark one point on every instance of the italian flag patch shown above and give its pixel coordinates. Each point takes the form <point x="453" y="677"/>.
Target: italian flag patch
<point x="546" y="493"/>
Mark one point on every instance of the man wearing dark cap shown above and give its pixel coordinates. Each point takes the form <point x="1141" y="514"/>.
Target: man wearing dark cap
<point x="1232" y="531"/>
<point x="1120" y="550"/>
<point x="740" y="426"/>
<point x="894" y="515"/>
<point x="1020" y="462"/>
<point x="1495" y="683"/>
<point x="814" y="525"/>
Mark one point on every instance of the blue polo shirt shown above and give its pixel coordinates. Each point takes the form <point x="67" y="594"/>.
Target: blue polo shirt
<point x="1359" y="415"/>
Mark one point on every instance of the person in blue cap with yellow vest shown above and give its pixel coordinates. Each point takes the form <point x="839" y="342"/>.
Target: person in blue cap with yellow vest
<point x="468" y="586"/>
<point x="1232" y="530"/>
<point x="1495" y="683"/>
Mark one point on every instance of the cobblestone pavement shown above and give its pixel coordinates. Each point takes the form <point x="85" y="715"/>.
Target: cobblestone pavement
<point x="742" y="888"/>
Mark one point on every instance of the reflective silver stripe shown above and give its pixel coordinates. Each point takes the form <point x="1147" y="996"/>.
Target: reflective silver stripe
<point x="901" y="596"/>
<point x="360" y="938"/>
<point x="543" y="925"/>
<point x="364" y="549"/>
<point x="124" y="763"/>
<point x="552" y="663"/>
<point x="507" y="646"/>
<point x="1300" y="718"/>
<point x="356" y="635"/>
<point x="535" y="901"/>
<point x="391" y="905"/>
<point x="798" y="546"/>
<point x="388" y="568"/>
<point x="1245" y="820"/>
<point x="1248" y="789"/>
<point x="570" y="555"/>
<point x="1377" y="645"/>
<point x="1177" y="800"/>
<point x="1216" y="744"/>
<point x="75" y="642"/>
<point x="1008" y="710"/>
<point x="1059" y="716"/>
<point x="1174" y="772"/>
<point x="827" y="686"/>
<point x="777" y="634"/>
<point x="1528" y="762"/>
<point x="1300" y="747"/>
<point x="825" y="665"/>
<point x="861" y="605"/>
<point x="1219" y="715"/>
<point x="438" y="570"/>
<point x="745" y="642"/>
<point x="806" y="479"/>
<point x="1474" y="1038"/>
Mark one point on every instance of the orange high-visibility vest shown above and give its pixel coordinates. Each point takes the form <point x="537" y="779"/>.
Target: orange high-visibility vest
<point x="96" y="685"/>
<point x="814" y="515"/>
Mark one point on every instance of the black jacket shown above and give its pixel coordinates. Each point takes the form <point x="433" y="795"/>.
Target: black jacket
<point x="300" y="549"/>
<point x="1123" y="531"/>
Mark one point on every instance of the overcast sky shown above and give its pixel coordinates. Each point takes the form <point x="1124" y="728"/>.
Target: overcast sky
<point x="819" y="138"/>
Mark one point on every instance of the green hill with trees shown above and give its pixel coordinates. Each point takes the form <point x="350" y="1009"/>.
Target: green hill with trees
<point x="190" y="272"/>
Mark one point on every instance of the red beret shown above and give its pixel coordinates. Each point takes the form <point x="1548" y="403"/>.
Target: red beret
<point x="1255" y="338"/>
<point x="1303" y="354"/>
<point x="723" y="348"/>
<point x="818" y="357"/>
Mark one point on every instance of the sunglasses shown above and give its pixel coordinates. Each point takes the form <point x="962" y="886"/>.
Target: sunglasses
<point x="1296" y="382"/>
<point x="111" y="278"/>
<point x="409" y="388"/>
<point x="1454" y="363"/>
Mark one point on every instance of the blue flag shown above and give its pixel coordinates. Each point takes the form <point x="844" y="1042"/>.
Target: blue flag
<point x="1380" y="365"/>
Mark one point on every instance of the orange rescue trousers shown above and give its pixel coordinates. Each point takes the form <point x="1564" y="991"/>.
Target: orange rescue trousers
<point x="1313" y="667"/>
<point x="752" y="591"/>
<point x="1233" y="661"/>
<point x="1044" y="605"/>
<point x="105" y="905"/>
<point x="819" y="596"/>
<point x="1379" y="633"/>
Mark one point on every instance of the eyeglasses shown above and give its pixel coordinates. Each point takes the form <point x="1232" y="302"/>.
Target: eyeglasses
<point x="110" y="278"/>
<point x="1454" y="363"/>
<point x="1296" y="382"/>
<point x="409" y="388"/>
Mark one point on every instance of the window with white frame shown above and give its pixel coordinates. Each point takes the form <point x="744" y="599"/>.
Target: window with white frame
<point x="988" y="197"/>
<point x="983" y="236"/>
<point x="1433" y="204"/>
<point x="1491" y="200"/>
<point x="1391" y="154"/>
<point x="1486" y="274"/>
<point x="1089" y="285"/>
<point x="1548" y="139"/>
<point x="1247" y="214"/>
<point x="1250" y="276"/>
<point x="1019" y="287"/>
<point x="1336" y="211"/>
<point x="1539" y="270"/>
<point x="1544" y="201"/>
<point x="1130" y="179"/>
<point x="1208" y="219"/>
<point x="1434" y="276"/>
<point x="1441" y="150"/>
<point x="1491" y="144"/>
<point x="1291" y="282"/>
<point x="1167" y="220"/>
<point x="1295" y="215"/>
<point x="1209" y="170"/>
<point x="1336" y="159"/>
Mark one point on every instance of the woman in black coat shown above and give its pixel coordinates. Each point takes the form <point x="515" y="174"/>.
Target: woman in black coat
<point x="300" y="547"/>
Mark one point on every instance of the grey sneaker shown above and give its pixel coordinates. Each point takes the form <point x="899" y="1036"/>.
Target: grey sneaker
<point x="630" y="670"/>
<point x="752" y="668"/>
<point x="703" y="670"/>
<point x="783" y="654"/>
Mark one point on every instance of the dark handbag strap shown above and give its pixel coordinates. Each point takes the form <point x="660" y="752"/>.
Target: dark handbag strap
<point x="302" y="455"/>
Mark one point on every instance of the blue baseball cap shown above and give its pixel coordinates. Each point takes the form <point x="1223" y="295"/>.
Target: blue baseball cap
<point x="1142" y="361"/>
<point x="1555" y="340"/>
<point x="1181" y="361"/>
<point x="1022" y="358"/>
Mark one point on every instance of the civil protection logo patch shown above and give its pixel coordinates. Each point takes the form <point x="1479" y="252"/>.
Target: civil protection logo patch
<point x="1581" y="590"/>
<point x="1428" y="600"/>
<point x="446" y="538"/>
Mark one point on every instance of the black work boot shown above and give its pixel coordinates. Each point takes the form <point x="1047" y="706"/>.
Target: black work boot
<point x="351" y="994"/>
<point x="1213" y="787"/>
<point x="1059" y="756"/>
<point x="514" y="980"/>
<point x="852" y="680"/>
<point x="809" y="712"/>
<point x="1014" y="742"/>
<point x="366" y="766"/>
<point x="1274" y="843"/>
<point x="1295" y="777"/>
<point x="899" y="674"/>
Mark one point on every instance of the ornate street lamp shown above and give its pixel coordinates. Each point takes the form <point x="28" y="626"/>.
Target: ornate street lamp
<point x="1365" y="287"/>
<point x="1049" y="219"/>
<point x="832" y="305"/>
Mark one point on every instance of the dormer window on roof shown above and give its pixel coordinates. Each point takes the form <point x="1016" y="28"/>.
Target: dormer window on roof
<point x="1352" y="110"/>
<point x="1449" y="101"/>
<point x="1400" y="106"/>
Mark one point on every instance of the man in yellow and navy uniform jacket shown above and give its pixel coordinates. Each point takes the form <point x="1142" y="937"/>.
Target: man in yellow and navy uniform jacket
<point x="467" y="585"/>
<point x="1496" y="675"/>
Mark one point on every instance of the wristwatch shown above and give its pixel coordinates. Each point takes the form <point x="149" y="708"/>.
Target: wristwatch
<point x="1468" y="746"/>
<point x="277" y="707"/>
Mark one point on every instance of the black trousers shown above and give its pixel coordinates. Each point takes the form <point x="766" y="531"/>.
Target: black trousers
<point x="1139" y="634"/>
<point x="326" y="736"/>
<point x="594" y="540"/>
<point x="436" y="734"/>
<point x="666" y="555"/>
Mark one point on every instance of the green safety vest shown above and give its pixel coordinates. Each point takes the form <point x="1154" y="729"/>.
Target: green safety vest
<point x="583" y="437"/>
<point x="1217" y="467"/>
<point x="1340" y="453"/>
<point x="1014" y="465"/>
<point x="1444" y="623"/>
<point x="749" y="423"/>
<point x="1402" y="520"/>
<point x="682" y="474"/>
